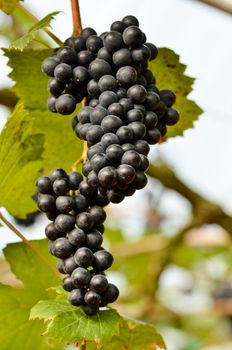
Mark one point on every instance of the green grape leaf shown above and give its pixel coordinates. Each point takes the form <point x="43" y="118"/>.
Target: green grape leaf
<point x="32" y="143"/>
<point x="20" y="153"/>
<point x="30" y="82"/>
<point x="22" y="42"/>
<point x="8" y="6"/>
<point x="136" y="335"/>
<point x="16" y="331"/>
<point x="107" y="330"/>
<point x="70" y="324"/>
<point x="169" y="73"/>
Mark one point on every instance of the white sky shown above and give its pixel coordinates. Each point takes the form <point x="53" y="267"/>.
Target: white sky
<point x="201" y="36"/>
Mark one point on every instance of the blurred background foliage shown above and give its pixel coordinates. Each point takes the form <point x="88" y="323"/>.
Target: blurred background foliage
<point x="177" y="276"/>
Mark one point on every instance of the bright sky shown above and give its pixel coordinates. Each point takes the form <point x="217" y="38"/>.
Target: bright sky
<point x="202" y="37"/>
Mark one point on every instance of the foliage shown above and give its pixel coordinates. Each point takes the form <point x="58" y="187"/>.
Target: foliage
<point x="108" y="330"/>
<point x="169" y="73"/>
<point x="22" y="42"/>
<point x="15" y="304"/>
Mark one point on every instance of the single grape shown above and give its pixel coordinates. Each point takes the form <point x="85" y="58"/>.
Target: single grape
<point x="65" y="222"/>
<point x="98" y="283"/>
<point x="118" y="26"/>
<point x="113" y="41"/>
<point x="63" y="72"/>
<point x="111" y="123"/>
<point x="110" y="294"/>
<point x="107" y="177"/>
<point x="65" y="104"/>
<point x="87" y="32"/>
<point x="85" y="221"/>
<point x="122" y="57"/>
<point x="62" y="248"/>
<point x="77" y="237"/>
<point x="94" y="43"/>
<point x="75" y="179"/>
<point x="80" y="277"/>
<point x="44" y="185"/>
<point x="65" y="204"/>
<point x="67" y="55"/>
<point x="70" y="265"/>
<point x="133" y="36"/>
<point x="126" y="75"/>
<point x="92" y="298"/>
<point x="107" y="98"/>
<point x="49" y="65"/>
<point x="80" y="75"/>
<point x="102" y="260"/>
<point x="55" y="87"/>
<point x="107" y="82"/>
<point x="81" y="203"/>
<point x="67" y="284"/>
<point x="130" y="21"/>
<point x="84" y="257"/>
<point x="52" y="233"/>
<point x="94" y="240"/>
<point x="126" y="173"/>
<point x="51" y="104"/>
<point x="46" y="202"/>
<point x="98" y="68"/>
<point x="76" y="297"/>
<point x="61" y="186"/>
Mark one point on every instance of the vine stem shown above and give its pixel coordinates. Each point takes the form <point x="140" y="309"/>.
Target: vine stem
<point x="77" y="26"/>
<point x="28" y="243"/>
<point x="35" y="19"/>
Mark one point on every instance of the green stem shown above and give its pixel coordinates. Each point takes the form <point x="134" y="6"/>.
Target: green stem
<point x="28" y="243"/>
<point x="35" y="19"/>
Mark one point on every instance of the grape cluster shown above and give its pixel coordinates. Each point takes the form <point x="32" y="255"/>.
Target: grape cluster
<point x="75" y="237"/>
<point x="124" y="113"/>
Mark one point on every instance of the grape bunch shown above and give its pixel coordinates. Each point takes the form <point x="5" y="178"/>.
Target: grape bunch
<point x="75" y="237"/>
<point x="124" y="113"/>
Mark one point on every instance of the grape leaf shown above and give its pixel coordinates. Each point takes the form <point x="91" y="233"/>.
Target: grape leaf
<point x="136" y="335"/>
<point x="16" y="331"/>
<point x="70" y="324"/>
<point x="32" y="143"/>
<point x="8" y="6"/>
<point x="30" y="82"/>
<point x="22" y="42"/>
<point x="107" y="330"/>
<point x="169" y="73"/>
<point x="20" y="153"/>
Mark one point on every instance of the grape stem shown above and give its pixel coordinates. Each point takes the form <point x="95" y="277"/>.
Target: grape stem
<point x="28" y="243"/>
<point x="35" y="19"/>
<point x="77" y="26"/>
